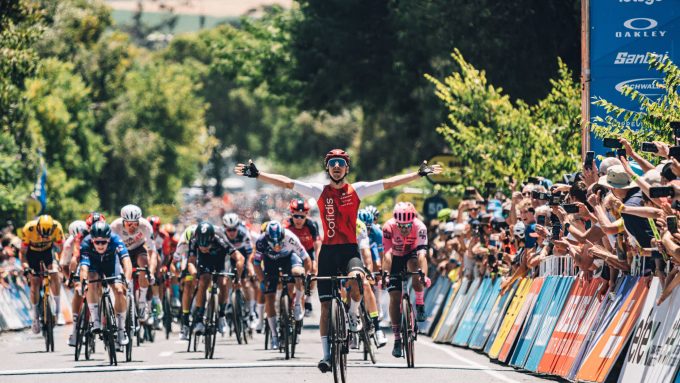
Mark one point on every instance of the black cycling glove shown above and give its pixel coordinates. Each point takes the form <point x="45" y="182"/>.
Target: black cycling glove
<point x="250" y="170"/>
<point x="425" y="169"/>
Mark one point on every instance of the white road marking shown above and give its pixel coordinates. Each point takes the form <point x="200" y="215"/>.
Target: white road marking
<point x="133" y="368"/>
<point x="166" y="353"/>
<point x="468" y="362"/>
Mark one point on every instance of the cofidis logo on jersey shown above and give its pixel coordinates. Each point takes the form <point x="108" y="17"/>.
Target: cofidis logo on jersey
<point x="640" y="28"/>
<point x="330" y="217"/>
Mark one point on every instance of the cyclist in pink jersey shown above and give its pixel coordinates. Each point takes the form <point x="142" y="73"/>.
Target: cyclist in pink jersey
<point x="405" y="243"/>
<point x="338" y="204"/>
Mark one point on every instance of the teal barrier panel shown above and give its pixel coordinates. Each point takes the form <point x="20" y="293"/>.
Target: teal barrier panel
<point x="548" y="323"/>
<point x="533" y="321"/>
<point x="499" y="312"/>
<point x="491" y="301"/>
<point x="472" y="314"/>
<point x="433" y="309"/>
<point x="458" y="310"/>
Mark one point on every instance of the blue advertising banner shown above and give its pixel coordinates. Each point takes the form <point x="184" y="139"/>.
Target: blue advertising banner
<point x="534" y="322"/>
<point x="485" y="315"/>
<point x="462" y="335"/>
<point x="548" y="323"/>
<point x="623" y="34"/>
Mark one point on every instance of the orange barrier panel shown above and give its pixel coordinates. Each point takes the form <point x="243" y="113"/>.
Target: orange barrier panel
<point x="602" y="357"/>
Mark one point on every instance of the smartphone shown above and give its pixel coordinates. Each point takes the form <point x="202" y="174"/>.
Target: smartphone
<point x="674" y="151"/>
<point x="621" y="153"/>
<point x="555" y="200"/>
<point x="672" y="223"/>
<point x="570" y="208"/>
<point x="610" y="154"/>
<point x="533" y="180"/>
<point x="588" y="162"/>
<point x="569" y="178"/>
<point x="540" y="195"/>
<point x="612" y="143"/>
<point x="661" y="191"/>
<point x="540" y="220"/>
<point x="649" y="147"/>
<point x="469" y="193"/>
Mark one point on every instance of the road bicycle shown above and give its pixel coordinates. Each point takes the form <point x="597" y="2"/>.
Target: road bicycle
<point x="46" y="306"/>
<point x="109" y="330"/>
<point x="409" y="325"/>
<point x="289" y="328"/>
<point x="238" y="320"/>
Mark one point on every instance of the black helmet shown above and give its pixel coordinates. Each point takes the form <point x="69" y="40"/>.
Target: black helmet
<point x="100" y="229"/>
<point x="205" y="232"/>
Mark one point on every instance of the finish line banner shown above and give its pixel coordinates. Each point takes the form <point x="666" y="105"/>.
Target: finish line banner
<point x="623" y="34"/>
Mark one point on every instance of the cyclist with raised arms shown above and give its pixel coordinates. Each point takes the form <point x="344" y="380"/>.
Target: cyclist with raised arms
<point x="308" y="232"/>
<point x="338" y="204"/>
<point x="103" y="254"/>
<point x="280" y="248"/>
<point x="41" y="238"/>
<point x="137" y="235"/>
<point x="209" y="250"/>
<point x="405" y="241"/>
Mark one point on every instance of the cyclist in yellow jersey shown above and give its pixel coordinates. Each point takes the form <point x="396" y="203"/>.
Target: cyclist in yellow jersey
<point x="40" y="238"/>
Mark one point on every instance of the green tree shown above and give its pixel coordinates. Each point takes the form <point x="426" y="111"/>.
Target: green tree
<point x="495" y="138"/>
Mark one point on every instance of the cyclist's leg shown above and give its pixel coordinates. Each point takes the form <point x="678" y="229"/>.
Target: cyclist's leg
<point x="355" y="267"/>
<point x="394" y="289"/>
<point x="270" y="282"/>
<point x="297" y="270"/>
<point x="55" y="283"/>
<point x="93" y="296"/>
<point x="327" y="267"/>
<point x="418" y="287"/>
<point x="140" y="259"/>
<point x="34" y="258"/>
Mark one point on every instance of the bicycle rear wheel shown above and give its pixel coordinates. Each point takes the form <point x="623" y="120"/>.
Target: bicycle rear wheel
<point x="267" y="334"/>
<point x="210" y="326"/>
<point x="407" y="330"/>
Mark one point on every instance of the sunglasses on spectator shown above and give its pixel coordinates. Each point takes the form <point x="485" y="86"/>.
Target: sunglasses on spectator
<point x="299" y="216"/>
<point x="404" y="225"/>
<point x="333" y="162"/>
<point x="527" y="194"/>
<point x="474" y="208"/>
<point x="100" y="242"/>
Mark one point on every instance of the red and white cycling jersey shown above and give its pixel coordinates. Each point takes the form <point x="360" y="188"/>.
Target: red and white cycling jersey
<point x="142" y="236"/>
<point x="400" y="245"/>
<point x="339" y="207"/>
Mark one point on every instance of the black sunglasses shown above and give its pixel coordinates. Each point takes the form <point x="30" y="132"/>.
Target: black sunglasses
<point x="299" y="216"/>
<point x="101" y="242"/>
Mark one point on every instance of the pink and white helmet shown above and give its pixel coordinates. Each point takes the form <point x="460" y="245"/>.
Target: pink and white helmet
<point x="404" y="212"/>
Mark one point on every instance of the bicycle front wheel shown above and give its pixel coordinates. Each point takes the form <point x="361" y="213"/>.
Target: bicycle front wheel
<point x="49" y="323"/>
<point x="338" y="339"/>
<point x="236" y="302"/>
<point x="110" y="331"/>
<point x="81" y="328"/>
<point x="284" y="320"/>
<point x="407" y="330"/>
<point x="129" y="329"/>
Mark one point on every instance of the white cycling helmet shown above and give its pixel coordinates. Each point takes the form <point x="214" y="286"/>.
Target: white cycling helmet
<point x="519" y="229"/>
<point x="77" y="227"/>
<point x="131" y="213"/>
<point x="231" y="220"/>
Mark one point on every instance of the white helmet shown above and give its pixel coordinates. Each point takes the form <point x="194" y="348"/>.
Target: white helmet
<point x="131" y="213"/>
<point x="519" y="229"/>
<point x="77" y="227"/>
<point x="231" y="220"/>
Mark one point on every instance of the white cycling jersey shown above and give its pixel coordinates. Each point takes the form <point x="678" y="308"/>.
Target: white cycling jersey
<point x="67" y="251"/>
<point x="142" y="236"/>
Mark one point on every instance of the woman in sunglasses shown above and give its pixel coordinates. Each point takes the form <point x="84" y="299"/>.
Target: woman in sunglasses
<point x="338" y="203"/>
<point x="405" y="243"/>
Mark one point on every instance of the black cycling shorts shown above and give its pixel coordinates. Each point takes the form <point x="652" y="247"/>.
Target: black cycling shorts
<point x="271" y="279"/>
<point x="399" y="264"/>
<point x="134" y="253"/>
<point x="34" y="257"/>
<point x="206" y="263"/>
<point x="337" y="260"/>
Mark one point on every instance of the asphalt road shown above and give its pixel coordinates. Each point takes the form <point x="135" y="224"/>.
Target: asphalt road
<point x="23" y="359"/>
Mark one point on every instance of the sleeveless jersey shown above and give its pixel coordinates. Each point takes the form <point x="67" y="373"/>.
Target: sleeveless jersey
<point x="338" y="208"/>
